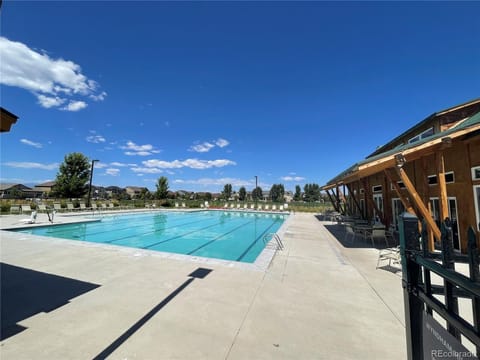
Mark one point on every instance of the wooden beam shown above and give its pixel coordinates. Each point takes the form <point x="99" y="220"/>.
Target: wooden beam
<point x="426" y="200"/>
<point x="442" y="186"/>
<point x="405" y="201"/>
<point x="332" y="201"/>
<point x="418" y="202"/>
<point x="354" y="199"/>
<point x="369" y="197"/>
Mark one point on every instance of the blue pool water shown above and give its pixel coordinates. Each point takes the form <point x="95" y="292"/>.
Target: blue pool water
<point x="226" y="235"/>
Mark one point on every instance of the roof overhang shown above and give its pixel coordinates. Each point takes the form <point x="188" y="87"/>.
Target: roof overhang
<point x="380" y="164"/>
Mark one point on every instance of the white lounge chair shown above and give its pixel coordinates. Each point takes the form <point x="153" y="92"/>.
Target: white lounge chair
<point x="176" y="205"/>
<point x="252" y="207"/>
<point x="26" y="209"/>
<point x="15" y="209"/>
<point x="267" y="207"/>
<point x="274" y="207"/>
<point x="32" y="219"/>
<point x="70" y="207"/>
<point x="57" y="207"/>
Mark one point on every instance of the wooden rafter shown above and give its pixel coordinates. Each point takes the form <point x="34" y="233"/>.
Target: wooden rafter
<point x="442" y="186"/>
<point x="354" y="199"/>
<point x="334" y="203"/>
<point x="369" y="198"/>
<point x="405" y="201"/>
<point x="418" y="202"/>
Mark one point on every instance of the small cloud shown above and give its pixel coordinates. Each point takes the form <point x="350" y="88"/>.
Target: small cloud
<point x="189" y="163"/>
<point x="118" y="164"/>
<point x="292" y="178"/>
<point x="221" y="142"/>
<point x="140" y="150"/>
<point x="31" y="143"/>
<point x="32" y="165"/>
<point x="49" y="101"/>
<point x="112" y="171"/>
<point x="75" y="106"/>
<point x="205" y="147"/>
<point x="146" y="170"/>
<point x="99" y="97"/>
<point x="95" y="139"/>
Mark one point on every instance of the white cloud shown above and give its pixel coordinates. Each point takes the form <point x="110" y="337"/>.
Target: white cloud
<point x="215" y="182"/>
<point x="32" y="165"/>
<point x="292" y="178"/>
<point x="146" y="170"/>
<point x="75" y="106"/>
<point x="190" y="163"/>
<point x="141" y="150"/>
<point x="221" y="142"/>
<point x="119" y="164"/>
<point x="99" y="97"/>
<point x="112" y="171"/>
<point x="100" y="165"/>
<point x="31" y="143"/>
<point x="96" y="139"/>
<point x="52" y="81"/>
<point x="49" y="101"/>
<point x="205" y="147"/>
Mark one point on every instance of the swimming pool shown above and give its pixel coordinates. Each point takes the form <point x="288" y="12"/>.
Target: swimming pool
<point x="225" y="235"/>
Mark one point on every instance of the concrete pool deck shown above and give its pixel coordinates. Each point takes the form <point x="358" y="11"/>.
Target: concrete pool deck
<point x="317" y="300"/>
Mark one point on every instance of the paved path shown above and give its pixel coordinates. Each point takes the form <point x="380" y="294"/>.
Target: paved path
<point x="317" y="300"/>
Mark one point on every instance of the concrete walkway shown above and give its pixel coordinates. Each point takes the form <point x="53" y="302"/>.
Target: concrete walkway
<point x="317" y="300"/>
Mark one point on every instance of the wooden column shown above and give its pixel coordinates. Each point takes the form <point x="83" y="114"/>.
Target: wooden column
<point x="418" y="202"/>
<point x="426" y="198"/>
<point x="442" y="186"/>
<point x="405" y="201"/>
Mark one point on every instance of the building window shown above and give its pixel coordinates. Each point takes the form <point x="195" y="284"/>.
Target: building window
<point x="400" y="184"/>
<point x="377" y="188"/>
<point x="432" y="180"/>
<point x="397" y="209"/>
<point x="423" y="135"/>
<point x="476" y="195"/>
<point x="449" y="178"/>
<point x="362" y="191"/>
<point x="452" y="214"/>
<point x="476" y="173"/>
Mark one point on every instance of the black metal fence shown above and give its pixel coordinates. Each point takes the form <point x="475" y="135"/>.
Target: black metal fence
<point x="427" y="303"/>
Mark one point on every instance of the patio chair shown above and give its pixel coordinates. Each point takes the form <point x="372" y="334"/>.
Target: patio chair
<point x="26" y="209"/>
<point x="15" y="209"/>
<point x="94" y="206"/>
<point x="176" y="205"/>
<point x="274" y="207"/>
<point x="267" y="207"/>
<point x="391" y="254"/>
<point x="280" y="208"/>
<point x="83" y="206"/>
<point x="259" y="207"/>
<point x="376" y="233"/>
<point x="70" y="207"/>
<point x="245" y="207"/>
<point x="349" y="231"/>
<point x="32" y="219"/>
<point x="183" y="205"/>
<point x="57" y="207"/>
<point x="252" y="207"/>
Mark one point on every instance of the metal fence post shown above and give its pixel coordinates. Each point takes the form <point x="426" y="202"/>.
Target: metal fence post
<point x="409" y="241"/>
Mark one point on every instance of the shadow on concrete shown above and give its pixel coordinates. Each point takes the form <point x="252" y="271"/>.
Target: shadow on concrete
<point x="199" y="273"/>
<point x="26" y="292"/>
<point x="338" y="231"/>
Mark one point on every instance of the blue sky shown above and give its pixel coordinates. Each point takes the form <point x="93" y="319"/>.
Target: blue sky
<point x="209" y="93"/>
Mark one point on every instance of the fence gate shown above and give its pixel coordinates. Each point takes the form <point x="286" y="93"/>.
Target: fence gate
<point x="441" y="291"/>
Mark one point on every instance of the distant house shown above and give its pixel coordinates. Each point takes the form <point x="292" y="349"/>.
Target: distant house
<point x="135" y="191"/>
<point x="44" y="188"/>
<point x="7" y="119"/>
<point x="14" y="191"/>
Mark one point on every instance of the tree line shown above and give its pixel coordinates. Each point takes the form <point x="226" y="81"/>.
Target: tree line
<point x="72" y="181"/>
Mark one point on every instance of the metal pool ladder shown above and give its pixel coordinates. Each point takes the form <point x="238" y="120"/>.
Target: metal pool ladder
<point x="278" y="241"/>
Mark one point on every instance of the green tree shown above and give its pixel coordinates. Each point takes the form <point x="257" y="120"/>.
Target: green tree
<point x="298" y="193"/>
<point x="277" y="192"/>
<point x="227" y="191"/>
<point x="72" y="177"/>
<point x="162" y="188"/>
<point x="242" y="194"/>
<point x="312" y="192"/>
<point x="257" y="193"/>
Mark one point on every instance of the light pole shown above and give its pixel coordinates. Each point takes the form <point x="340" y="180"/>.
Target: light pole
<point x="90" y="185"/>
<point x="256" y="191"/>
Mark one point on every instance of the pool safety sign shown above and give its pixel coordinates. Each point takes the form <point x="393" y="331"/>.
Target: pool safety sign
<point x="438" y="343"/>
